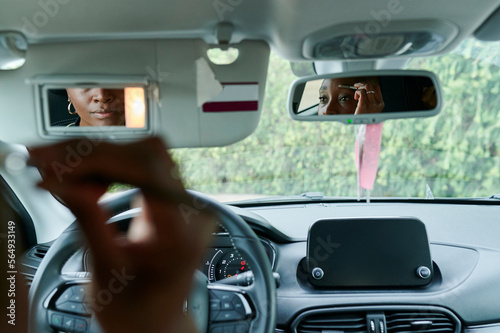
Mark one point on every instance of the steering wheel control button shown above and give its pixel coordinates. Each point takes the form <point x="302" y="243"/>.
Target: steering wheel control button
<point x="68" y="324"/>
<point x="80" y="325"/>
<point x="72" y="300"/>
<point x="78" y="292"/>
<point x="214" y="305"/>
<point x="73" y="307"/>
<point x="65" y="297"/>
<point x="56" y="321"/>
<point x="317" y="273"/>
<point x="229" y="316"/>
<point x="238" y="305"/>
<point x="227" y="306"/>
<point x="76" y="299"/>
<point x="423" y="272"/>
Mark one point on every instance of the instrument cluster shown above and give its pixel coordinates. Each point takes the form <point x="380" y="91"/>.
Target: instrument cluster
<point x="224" y="261"/>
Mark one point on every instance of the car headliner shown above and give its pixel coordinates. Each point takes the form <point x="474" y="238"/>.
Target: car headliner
<point x="283" y="24"/>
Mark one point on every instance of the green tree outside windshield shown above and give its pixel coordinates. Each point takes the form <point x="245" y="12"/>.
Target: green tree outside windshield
<point x="457" y="153"/>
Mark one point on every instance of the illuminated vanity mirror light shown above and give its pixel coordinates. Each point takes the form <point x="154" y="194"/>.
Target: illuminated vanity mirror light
<point x="135" y="107"/>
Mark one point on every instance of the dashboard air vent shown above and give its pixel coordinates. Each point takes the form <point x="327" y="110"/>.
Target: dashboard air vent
<point x="40" y="252"/>
<point x="421" y="322"/>
<point x="377" y="319"/>
<point x="353" y="322"/>
<point x="31" y="260"/>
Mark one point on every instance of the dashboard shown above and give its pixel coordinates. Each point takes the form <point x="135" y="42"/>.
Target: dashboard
<point x="462" y="296"/>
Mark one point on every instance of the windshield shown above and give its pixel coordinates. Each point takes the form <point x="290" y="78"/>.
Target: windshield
<point x="456" y="154"/>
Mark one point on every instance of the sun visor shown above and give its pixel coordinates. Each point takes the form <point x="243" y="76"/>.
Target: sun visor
<point x="179" y="93"/>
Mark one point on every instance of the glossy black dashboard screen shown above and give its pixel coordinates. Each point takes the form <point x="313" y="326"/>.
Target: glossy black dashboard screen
<point x="368" y="252"/>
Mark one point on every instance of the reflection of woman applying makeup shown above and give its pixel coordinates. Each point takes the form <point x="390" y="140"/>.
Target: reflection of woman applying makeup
<point x="97" y="106"/>
<point x="355" y="95"/>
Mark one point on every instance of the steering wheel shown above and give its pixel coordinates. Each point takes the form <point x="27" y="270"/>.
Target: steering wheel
<point x="58" y="301"/>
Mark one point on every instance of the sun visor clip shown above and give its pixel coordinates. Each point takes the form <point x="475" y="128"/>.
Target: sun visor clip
<point x="224" y="34"/>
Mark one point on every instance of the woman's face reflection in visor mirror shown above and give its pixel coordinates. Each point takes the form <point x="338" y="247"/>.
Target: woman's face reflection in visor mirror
<point x="97" y="106"/>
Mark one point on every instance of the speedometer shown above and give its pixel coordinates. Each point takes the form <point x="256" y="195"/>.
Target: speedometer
<point x="232" y="265"/>
<point x="225" y="262"/>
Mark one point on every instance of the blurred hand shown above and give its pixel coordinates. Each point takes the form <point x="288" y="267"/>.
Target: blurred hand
<point x="156" y="262"/>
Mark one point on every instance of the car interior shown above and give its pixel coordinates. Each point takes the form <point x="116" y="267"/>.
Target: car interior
<point x="350" y="151"/>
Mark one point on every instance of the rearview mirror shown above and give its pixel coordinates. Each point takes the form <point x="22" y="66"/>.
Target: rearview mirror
<point x="366" y="97"/>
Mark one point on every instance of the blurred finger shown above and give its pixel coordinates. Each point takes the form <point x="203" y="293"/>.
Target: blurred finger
<point x="362" y="101"/>
<point x="144" y="160"/>
<point x="360" y="85"/>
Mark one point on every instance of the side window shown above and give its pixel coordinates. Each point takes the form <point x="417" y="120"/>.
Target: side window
<point x="13" y="215"/>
